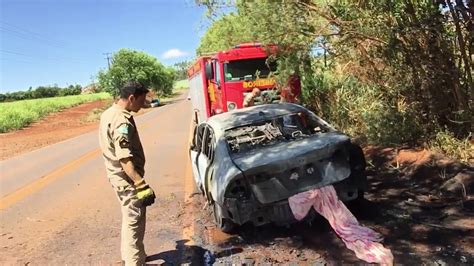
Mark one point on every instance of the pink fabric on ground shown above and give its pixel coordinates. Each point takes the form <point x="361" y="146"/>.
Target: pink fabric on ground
<point x="362" y="240"/>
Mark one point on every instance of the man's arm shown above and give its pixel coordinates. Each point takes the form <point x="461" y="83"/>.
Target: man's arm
<point x="145" y="194"/>
<point x="247" y="100"/>
<point x="129" y="169"/>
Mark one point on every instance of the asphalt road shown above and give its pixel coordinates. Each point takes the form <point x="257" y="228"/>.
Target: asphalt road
<point x="57" y="206"/>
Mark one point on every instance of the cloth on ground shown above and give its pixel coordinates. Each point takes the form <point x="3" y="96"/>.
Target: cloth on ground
<point x="362" y="240"/>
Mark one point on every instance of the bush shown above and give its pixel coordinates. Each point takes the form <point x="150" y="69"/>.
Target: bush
<point x="363" y="111"/>
<point x="445" y="142"/>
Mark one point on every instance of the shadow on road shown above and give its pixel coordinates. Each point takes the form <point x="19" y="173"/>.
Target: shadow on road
<point x="191" y="255"/>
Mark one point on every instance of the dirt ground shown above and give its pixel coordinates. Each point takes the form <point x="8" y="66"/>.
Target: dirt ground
<point x="421" y="202"/>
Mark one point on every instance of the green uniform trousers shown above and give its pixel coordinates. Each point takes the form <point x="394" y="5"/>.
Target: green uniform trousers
<point x="133" y="227"/>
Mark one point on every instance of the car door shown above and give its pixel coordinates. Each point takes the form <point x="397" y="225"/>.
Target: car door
<point x="206" y="156"/>
<point x="195" y="151"/>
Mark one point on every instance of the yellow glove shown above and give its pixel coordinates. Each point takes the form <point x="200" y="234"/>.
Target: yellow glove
<point x="145" y="194"/>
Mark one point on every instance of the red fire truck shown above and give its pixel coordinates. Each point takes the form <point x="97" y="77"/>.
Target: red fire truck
<point x="219" y="82"/>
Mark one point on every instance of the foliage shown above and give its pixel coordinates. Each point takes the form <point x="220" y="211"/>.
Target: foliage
<point x="134" y="65"/>
<point x="448" y="144"/>
<point x="18" y="114"/>
<point x="224" y="33"/>
<point x="388" y="71"/>
<point x="362" y="110"/>
<point x="181" y="69"/>
<point x="41" y="92"/>
<point x="179" y="87"/>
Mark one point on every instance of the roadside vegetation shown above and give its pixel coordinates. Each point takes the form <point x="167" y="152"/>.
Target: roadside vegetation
<point x="41" y="92"/>
<point x="389" y="73"/>
<point x="181" y="84"/>
<point x="18" y="114"/>
<point x="179" y="87"/>
<point x="94" y="114"/>
<point x="135" y="65"/>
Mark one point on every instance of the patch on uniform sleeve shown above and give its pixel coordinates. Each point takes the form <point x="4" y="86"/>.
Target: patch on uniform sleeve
<point x="123" y="142"/>
<point x="123" y="129"/>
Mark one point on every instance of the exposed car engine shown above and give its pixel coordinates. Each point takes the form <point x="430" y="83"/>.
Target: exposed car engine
<point x="268" y="133"/>
<point x="245" y="137"/>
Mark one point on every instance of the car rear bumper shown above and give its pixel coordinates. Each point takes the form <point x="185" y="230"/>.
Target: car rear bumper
<point x="244" y="211"/>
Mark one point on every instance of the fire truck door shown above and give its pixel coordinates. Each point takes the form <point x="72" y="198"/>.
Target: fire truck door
<point x="217" y="93"/>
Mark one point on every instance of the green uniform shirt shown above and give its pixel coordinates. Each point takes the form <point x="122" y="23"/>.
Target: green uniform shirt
<point x="119" y="139"/>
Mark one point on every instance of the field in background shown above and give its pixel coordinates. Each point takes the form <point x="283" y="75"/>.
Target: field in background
<point x="18" y="114"/>
<point x="181" y="84"/>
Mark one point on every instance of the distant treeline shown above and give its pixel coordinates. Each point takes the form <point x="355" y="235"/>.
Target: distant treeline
<point x="41" y="92"/>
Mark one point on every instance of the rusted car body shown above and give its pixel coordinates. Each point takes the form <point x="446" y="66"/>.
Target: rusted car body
<point x="248" y="162"/>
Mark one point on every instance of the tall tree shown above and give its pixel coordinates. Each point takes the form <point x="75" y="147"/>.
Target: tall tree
<point x="224" y="33"/>
<point x="181" y="69"/>
<point x="135" y="65"/>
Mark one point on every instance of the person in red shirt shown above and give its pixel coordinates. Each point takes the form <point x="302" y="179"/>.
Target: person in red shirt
<point x="291" y="92"/>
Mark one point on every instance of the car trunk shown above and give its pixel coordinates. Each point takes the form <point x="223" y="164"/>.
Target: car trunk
<point x="279" y="171"/>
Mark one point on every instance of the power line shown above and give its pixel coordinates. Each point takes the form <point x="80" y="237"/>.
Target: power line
<point x="34" y="36"/>
<point x="28" y="34"/>
<point x="16" y="60"/>
<point x="57" y="59"/>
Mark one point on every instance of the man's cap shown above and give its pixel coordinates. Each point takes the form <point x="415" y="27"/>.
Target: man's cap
<point x="133" y="87"/>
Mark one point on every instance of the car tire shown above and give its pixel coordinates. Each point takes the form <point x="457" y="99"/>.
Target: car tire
<point x="357" y="158"/>
<point x="360" y="195"/>
<point x="224" y="224"/>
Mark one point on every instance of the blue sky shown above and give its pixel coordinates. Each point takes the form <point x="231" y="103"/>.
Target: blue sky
<point x="46" y="42"/>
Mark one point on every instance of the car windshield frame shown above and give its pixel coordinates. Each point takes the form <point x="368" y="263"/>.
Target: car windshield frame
<point x="248" y="69"/>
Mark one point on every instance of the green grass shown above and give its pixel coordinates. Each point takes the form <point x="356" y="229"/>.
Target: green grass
<point x="446" y="143"/>
<point x="16" y="115"/>
<point x="181" y="84"/>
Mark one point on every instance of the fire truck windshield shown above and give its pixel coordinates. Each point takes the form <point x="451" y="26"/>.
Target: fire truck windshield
<point x="248" y="69"/>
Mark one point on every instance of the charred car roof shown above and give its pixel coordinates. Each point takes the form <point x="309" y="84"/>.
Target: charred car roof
<point x="252" y="114"/>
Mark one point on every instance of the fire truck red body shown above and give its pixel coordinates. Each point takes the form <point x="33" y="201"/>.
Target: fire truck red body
<point x="219" y="83"/>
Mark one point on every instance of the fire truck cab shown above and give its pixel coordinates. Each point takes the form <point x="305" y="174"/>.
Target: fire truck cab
<point x="219" y="82"/>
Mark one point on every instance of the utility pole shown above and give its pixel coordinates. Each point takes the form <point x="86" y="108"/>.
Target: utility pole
<point x="108" y="58"/>
<point x="107" y="55"/>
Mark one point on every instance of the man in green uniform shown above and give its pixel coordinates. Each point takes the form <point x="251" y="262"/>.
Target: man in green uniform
<point x="125" y="166"/>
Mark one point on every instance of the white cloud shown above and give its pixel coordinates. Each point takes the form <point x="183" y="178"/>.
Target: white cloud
<point x="173" y="53"/>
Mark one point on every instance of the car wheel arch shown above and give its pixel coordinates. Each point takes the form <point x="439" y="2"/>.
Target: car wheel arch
<point x="224" y="224"/>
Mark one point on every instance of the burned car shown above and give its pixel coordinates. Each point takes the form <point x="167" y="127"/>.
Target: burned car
<point x="248" y="162"/>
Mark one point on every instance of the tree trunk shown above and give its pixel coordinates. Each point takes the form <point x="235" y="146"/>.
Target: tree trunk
<point x="467" y="63"/>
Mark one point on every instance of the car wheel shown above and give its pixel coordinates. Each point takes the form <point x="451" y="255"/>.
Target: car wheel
<point x="225" y="225"/>
<point x="360" y="195"/>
